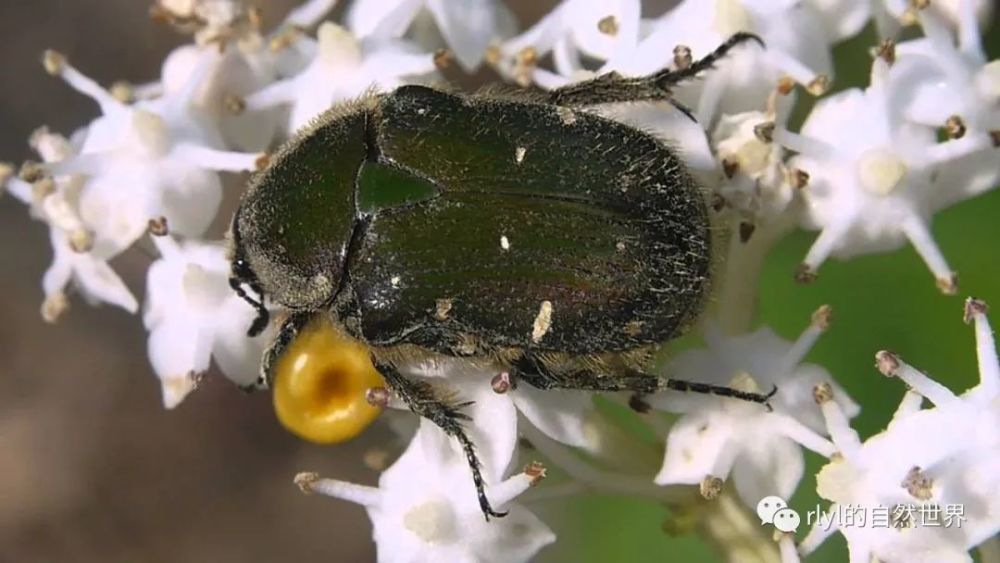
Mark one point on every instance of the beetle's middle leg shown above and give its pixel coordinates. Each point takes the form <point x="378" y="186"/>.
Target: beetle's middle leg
<point x="422" y="399"/>
<point x="535" y="372"/>
<point x="613" y="87"/>
<point x="289" y="328"/>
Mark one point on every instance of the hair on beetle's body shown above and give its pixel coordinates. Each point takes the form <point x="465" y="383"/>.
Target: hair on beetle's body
<point x="526" y="234"/>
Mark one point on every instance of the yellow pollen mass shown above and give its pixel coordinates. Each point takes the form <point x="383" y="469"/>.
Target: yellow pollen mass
<point x="320" y="383"/>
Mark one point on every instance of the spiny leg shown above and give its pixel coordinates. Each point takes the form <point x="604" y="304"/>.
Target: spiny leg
<point x="289" y="329"/>
<point x="535" y="372"/>
<point x="613" y="87"/>
<point x="420" y="397"/>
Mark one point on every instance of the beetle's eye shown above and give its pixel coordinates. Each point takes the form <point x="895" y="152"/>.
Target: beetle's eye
<point x="320" y="383"/>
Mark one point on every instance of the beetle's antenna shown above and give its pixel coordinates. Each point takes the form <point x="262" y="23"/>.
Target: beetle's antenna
<point x="263" y="315"/>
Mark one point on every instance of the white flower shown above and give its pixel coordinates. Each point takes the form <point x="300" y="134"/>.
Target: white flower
<point x="842" y="18"/>
<point x="720" y="436"/>
<point x="946" y="455"/>
<point x="193" y="316"/>
<point x="890" y="15"/>
<point x="425" y="510"/>
<point x="947" y="83"/>
<point x="153" y="159"/>
<point x="342" y="68"/>
<point x="563" y="415"/>
<point x="54" y="200"/>
<point x="92" y="276"/>
<point x="797" y="46"/>
<point x="574" y="29"/>
<point x="873" y="177"/>
<point x="248" y="63"/>
<point x="468" y="26"/>
<point x="758" y="180"/>
<point x="951" y="78"/>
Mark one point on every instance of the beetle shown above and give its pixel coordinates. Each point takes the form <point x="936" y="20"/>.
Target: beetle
<point x="559" y="245"/>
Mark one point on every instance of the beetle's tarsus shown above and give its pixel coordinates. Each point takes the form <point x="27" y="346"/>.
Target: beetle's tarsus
<point x="683" y="109"/>
<point x="536" y="372"/>
<point x="669" y="78"/>
<point x="767" y="402"/>
<point x="420" y="397"/>
<point x="612" y="87"/>
<point x="720" y="390"/>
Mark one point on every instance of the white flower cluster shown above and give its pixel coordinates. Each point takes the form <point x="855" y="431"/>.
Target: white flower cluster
<point x="866" y="170"/>
<point x="925" y="459"/>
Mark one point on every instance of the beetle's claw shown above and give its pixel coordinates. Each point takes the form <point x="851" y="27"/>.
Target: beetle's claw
<point x="488" y="511"/>
<point x="767" y="402"/>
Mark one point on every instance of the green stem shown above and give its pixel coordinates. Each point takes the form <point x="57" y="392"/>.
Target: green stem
<point x="737" y="294"/>
<point x="600" y="480"/>
<point x="729" y="527"/>
<point x="989" y="550"/>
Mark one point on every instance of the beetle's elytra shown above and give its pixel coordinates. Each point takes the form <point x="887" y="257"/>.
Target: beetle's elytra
<point x="557" y="245"/>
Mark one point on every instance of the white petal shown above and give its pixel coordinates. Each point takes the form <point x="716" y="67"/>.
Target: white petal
<point x="559" y="414"/>
<point x="177" y="348"/>
<point x="96" y="279"/>
<point x="467" y="25"/>
<point x="312" y="12"/>
<point x="395" y="61"/>
<point x="698" y="445"/>
<point x="516" y="537"/>
<point x="385" y="18"/>
<point x="116" y="207"/>
<point x="176" y="388"/>
<point x="797" y="396"/>
<point x="493" y="430"/>
<point x="190" y="200"/>
<point x="238" y="355"/>
<point x="844" y="18"/>
<point x="58" y="275"/>
<point x="767" y="465"/>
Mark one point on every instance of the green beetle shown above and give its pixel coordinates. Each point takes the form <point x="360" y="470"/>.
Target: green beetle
<point x="557" y="244"/>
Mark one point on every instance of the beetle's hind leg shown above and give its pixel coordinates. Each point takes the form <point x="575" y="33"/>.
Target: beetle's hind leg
<point x="422" y="399"/>
<point x="613" y="87"/>
<point x="537" y="373"/>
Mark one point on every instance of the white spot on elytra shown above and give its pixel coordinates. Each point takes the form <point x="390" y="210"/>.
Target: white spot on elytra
<point x="504" y="242"/>
<point x="519" y="154"/>
<point x="566" y="115"/>
<point x="542" y="322"/>
<point x="395" y="281"/>
<point x="442" y="307"/>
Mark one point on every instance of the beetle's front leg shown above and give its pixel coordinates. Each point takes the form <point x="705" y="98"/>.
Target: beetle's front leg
<point x="421" y="398"/>
<point x="289" y="329"/>
<point x="612" y="87"/>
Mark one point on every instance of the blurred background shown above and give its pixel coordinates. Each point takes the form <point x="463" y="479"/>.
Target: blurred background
<point x="92" y="468"/>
